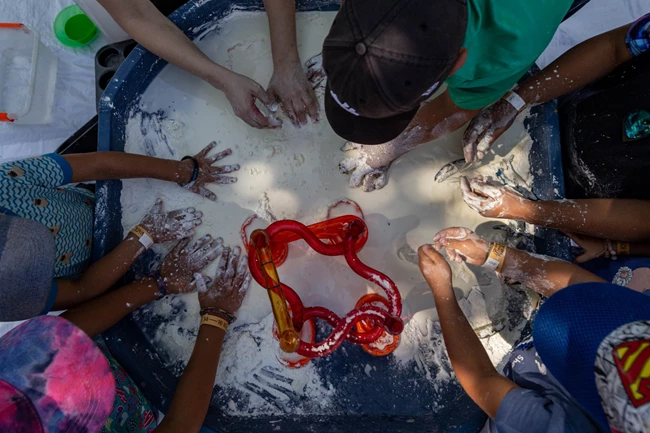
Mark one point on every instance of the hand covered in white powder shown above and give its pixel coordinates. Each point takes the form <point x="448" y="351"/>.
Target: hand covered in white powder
<point x="187" y="259"/>
<point x="462" y="245"/>
<point x="486" y="128"/>
<point x="242" y="92"/>
<point x="366" y="168"/>
<point x="208" y="173"/>
<point x="289" y="85"/>
<point x="229" y="286"/>
<point x="492" y="201"/>
<point x="315" y="72"/>
<point x="171" y="226"/>
<point x="435" y="269"/>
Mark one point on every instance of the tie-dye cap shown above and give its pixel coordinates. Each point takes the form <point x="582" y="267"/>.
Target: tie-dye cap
<point x="53" y="379"/>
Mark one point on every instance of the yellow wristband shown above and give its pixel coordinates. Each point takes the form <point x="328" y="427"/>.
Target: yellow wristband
<point x="216" y="321"/>
<point x="622" y="248"/>
<point x="143" y="236"/>
<point x="496" y="257"/>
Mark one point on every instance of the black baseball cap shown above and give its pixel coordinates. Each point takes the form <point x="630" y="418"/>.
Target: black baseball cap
<point x="383" y="58"/>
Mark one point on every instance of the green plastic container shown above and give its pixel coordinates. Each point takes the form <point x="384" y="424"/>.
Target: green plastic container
<point x="73" y="28"/>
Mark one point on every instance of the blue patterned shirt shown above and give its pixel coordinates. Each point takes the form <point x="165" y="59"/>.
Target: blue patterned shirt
<point x="34" y="189"/>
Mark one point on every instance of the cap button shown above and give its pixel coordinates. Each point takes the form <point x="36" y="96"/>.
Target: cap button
<point x="361" y="48"/>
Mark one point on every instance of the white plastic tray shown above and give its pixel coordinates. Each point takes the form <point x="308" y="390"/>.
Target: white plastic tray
<point x="27" y="76"/>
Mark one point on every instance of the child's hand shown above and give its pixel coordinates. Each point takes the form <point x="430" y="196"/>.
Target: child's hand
<point x="463" y="245"/>
<point x="184" y="261"/>
<point x="492" y="201"/>
<point x="209" y="173"/>
<point x="434" y="268"/>
<point x="230" y="284"/>
<point x="177" y="224"/>
<point x="486" y="127"/>
<point x="592" y="247"/>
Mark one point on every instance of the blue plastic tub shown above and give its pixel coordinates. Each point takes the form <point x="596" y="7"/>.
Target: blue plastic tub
<point x="395" y="400"/>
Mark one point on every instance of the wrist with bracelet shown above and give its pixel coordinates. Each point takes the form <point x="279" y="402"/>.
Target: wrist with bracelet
<point x="195" y="172"/>
<point x="214" y="321"/>
<point x="622" y="248"/>
<point x="515" y="100"/>
<point x="144" y="237"/>
<point x="231" y="318"/>
<point x="496" y="256"/>
<point x="217" y="317"/>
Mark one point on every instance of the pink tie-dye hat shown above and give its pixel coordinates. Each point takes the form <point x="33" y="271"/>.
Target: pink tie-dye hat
<point x="53" y="379"/>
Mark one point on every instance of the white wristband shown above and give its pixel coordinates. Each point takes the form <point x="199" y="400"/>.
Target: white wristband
<point x="515" y="100"/>
<point x="491" y="263"/>
<point x="143" y="236"/>
<point x="146" y="241"/>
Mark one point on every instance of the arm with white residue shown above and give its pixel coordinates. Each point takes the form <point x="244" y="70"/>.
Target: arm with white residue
<point x="583" y="64"/>
<point x="175" y="277"/>
<point x="154" y="31"/>
<point x="224" y="293"/>
<point x="192" y="172"/>
<point x="156" y="227"/>
<point x="616" y="219"/>
<point x="468" y="357"/>
<point x="545" y="275"/>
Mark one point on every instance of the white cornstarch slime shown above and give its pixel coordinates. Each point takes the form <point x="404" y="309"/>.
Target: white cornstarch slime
<point x="293" y="173"/>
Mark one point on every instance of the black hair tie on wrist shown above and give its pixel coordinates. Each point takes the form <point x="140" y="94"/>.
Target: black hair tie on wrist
<point x="195" y="171"/>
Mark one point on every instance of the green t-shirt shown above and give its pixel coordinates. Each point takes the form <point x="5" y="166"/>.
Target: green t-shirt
<point x="503" y="40"/>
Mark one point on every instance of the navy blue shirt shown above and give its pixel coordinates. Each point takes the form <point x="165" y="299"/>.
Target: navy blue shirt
<point x="626" y="271"/>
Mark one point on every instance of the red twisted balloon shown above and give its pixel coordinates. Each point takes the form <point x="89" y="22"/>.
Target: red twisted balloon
<point x="345" y="236"/>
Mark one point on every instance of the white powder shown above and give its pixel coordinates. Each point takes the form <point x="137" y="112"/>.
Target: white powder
<point x="293" y="174"/>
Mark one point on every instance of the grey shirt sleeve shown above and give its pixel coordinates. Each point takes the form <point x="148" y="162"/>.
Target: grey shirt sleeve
<point x="26" y="268"/>
<point x="525" y="410"/>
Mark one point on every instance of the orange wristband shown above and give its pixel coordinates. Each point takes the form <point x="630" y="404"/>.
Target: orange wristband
<point x="622" y="248"/>
<point x="496" y="257"/>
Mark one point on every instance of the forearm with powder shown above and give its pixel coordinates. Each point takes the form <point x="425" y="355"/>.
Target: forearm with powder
<point x="97" y="315"/>
<point x="436" y="118"/>
<point x="581" y="65"/>
<point x="194" y="390"/>
<point x="545" y="275"/>
<point x="100" y="276"/>
<point x="468" y="357"/>
<point x="615" y="219"/>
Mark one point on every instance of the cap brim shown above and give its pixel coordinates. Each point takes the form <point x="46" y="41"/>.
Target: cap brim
<point x="363" y="130"/>
<point x="570" y="327"/>
<point x="61" y="370"/>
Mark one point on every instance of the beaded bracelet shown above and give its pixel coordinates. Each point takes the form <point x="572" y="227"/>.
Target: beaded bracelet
<point x="220" y="312"/>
